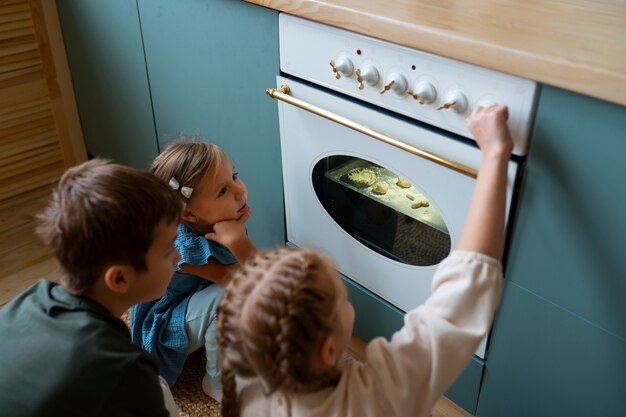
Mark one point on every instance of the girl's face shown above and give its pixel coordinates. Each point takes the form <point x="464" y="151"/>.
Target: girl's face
<point x="220" y="196"/>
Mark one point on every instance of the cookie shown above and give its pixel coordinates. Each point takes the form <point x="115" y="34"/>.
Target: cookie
<point x="380" y="188"/>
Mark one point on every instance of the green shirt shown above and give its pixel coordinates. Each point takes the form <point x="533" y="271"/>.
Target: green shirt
<point x="65" y="355"/>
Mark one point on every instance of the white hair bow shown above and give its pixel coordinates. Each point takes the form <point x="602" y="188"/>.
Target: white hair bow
<point x="185" y="191"/>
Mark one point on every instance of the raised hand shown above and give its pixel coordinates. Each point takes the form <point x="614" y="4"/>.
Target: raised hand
<point x="484" y="226"/>
<point x="488" y="125"/>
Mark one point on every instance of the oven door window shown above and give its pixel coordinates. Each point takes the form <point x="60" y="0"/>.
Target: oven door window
<point x="381" y="210"/>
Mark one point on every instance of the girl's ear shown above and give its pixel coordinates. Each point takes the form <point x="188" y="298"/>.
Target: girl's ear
<point x="117" y="278"/>
<point x="328" y="352"/>
<point x="188" y="216"/>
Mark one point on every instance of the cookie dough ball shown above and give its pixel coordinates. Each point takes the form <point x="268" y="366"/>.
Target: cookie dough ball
<point x="380" y="188"/>
<point x="419" y="203"/>
<point x="402" y="183"/>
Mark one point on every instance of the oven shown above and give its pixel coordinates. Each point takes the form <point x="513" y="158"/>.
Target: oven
<point x="378" y="164"/>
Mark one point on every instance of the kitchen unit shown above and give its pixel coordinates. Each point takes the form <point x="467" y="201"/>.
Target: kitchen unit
<point x="558" y="346"/>
<point x="148" y="71"/>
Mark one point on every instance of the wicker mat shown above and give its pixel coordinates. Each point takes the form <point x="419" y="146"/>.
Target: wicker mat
<point x="187" y="391"/>
<point x="188" y="394"/>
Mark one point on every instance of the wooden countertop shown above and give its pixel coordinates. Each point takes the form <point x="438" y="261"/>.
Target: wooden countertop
<point x="578" y="45"/>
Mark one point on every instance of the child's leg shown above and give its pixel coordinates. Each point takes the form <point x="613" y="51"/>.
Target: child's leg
<point x="170" y="404"/>
<point x="201" y="326"/>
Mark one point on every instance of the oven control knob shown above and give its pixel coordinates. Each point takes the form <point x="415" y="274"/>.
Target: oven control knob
<point x="487" y="103"/>
<point x="424" y="93"/>
<point x="342" y="67"/>
<point x="456" y="101"/>
<point x="369" y="75"/>
<point x="395" y="82"/>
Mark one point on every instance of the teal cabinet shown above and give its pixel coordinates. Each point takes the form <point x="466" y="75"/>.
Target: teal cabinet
<point x="209" y="63"/>
<point x="568" y="245"/>
<point x="105" y="53"/>
<point x="147" y="71"/>
<point x="546" y="361"/>
<point x="559" y="341"/>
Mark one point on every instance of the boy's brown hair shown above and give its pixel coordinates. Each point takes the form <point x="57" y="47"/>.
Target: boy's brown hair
<point x="187" y="161"/>
<point x="102" y="214"/>
<point x="276" y="312"/>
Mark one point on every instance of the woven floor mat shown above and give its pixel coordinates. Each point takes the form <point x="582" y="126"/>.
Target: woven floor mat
<point x="187" y="392"/>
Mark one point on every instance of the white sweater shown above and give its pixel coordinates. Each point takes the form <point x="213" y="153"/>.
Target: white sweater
<point x="407" y="375"/>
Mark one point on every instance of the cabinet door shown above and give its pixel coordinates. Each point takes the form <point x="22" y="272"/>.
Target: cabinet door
<point x="209" y="63"/>
<point x="558" y="345"/>
<point x="105" y="52"/>
<point x="546" y="361"/>
<point x="568" y="242"/>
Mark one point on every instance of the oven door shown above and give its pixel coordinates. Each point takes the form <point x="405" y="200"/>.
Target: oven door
<point x="387" y="216"/>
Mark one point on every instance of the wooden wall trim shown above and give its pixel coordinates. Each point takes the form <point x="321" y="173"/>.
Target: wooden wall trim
<point x="40" y="132"/>
<point x="57" y="74"/>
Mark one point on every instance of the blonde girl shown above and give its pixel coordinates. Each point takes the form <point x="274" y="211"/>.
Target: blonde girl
<point x="211" y="240"/>
<point x="285" y="320"/>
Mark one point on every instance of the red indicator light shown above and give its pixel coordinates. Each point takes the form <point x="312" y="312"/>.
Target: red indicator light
<point x="358" y="52"/>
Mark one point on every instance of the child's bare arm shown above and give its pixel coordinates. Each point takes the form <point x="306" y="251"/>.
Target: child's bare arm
<point x="232" y="234"/>
<point x="484" y="226"/>
<point x="212" y="270"/>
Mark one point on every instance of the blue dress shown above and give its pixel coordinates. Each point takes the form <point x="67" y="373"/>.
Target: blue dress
<point x="159" y="325"/>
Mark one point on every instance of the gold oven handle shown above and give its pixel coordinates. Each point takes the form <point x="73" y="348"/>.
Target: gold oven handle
<point x="282" y="94"/>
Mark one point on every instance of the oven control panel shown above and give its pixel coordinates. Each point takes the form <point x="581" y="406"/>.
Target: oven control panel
<point x="436" y="90"/>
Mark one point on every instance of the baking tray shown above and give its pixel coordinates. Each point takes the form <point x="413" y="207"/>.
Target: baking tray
<point x="396" y="198"/>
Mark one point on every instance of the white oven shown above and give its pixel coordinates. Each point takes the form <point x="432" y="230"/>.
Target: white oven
<point x="378" y="164"/>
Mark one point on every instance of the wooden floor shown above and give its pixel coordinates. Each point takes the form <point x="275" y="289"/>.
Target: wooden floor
<point x="24" y="259"/>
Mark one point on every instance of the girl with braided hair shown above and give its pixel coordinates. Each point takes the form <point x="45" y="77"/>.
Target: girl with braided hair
<point x="285" y="319"/>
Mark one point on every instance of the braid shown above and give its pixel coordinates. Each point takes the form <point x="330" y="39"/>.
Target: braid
<point x="230" y="344"/>
<point x="277" y="353"/>
<point x="275" y="314"/>
<point x="230" y="405"/>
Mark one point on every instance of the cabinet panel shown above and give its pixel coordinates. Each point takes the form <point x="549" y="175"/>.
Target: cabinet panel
<point x="209" y="63"/>
<point x="569" y="235"/>
<point x="545" y="361"/>
<point x="105" y="52"/>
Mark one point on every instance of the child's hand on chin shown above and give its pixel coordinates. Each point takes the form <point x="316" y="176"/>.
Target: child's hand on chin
<point x="230" y="232"/>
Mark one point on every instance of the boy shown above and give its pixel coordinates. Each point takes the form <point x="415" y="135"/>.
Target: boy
<point x="64" y="350"/>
